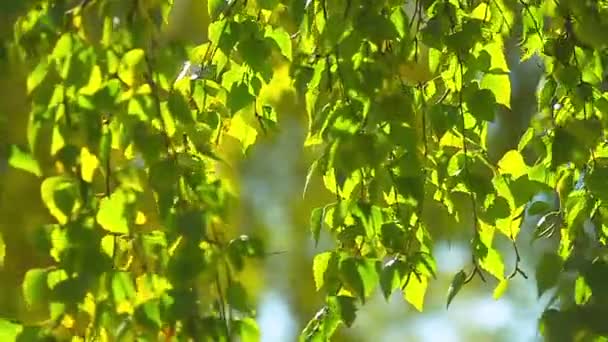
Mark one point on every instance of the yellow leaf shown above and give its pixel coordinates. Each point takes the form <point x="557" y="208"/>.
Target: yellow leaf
<point x="500" y="86"/>
<point x="89" y="163"/>
<point x="500" y="289"/>
<point x="513" y="163"/>
<point x="415" y="291"/>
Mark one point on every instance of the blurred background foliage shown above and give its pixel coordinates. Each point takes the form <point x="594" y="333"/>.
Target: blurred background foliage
<point x="268" y="191"/>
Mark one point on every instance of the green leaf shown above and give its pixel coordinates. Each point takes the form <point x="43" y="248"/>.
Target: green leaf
<point x="390" y="276"/>
<point x="248" y="329"/>
<point x="338" y="309"/>
<point x="23" y="160"/>
<point x="481" y="104"/>
<point x="316" y="223"/>
<point x="114" y="215"/>
<point x="60" y="195"/>
<point x="513" y="163"/>
<point x="148" y="314"/>
<point x="359" y="276"/>
<point x="9" y="330"/>
<point x="415" y="291"/>
<point x="345" y="307"/>
<point x="239" y="97"/>
<point x="35" y="288"/>
<point x="320" y="265"/>
<point x="393" y="236"/>
<point x="237" y="297"/>
<point x="577" y="208"/>
<point x="180" y="109"/>
<point x="215" y="8"/>
<point x="547" y="272"/>
<point x="131" y="66"/>
<point x="500" y="289"/>
<point x="455" y="286"/>
<point x="596" y="179"/>
<point x="500" y="86"/>
<point x="582" y="291"/>
<point x="281" y="37"/>
<point x="123" y="288"/>
<point x="35" y="78"/>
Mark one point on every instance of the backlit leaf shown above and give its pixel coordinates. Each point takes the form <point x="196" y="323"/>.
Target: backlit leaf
<point x="415" y="291"/>
<point x="113" y="214"/>
<point x="500" y="86"/>
<point x="35" y="286"/>
<point x="22" y="160"/>
<point x="500" y="289"/>
<point x="60" y="195"/>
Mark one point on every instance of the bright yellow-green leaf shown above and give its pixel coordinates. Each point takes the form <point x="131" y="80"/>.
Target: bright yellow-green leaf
<point x="498" y="62"/>
<point x="415" y="291"/>
<point x="130" y="64"/>
<point x="493" y="263"/>
<point x="500" y="85"/>
<point x="24" y="161"/>
<point x="242" y="131"/>
<point x="113" y="215"/>
<point x="95" y="81"/>
<point x="107" y="245"/>
<point x="450" y="139"/>
<point x="319" y="266"/>
<point x="281" y="37"/>
<point x="37" y="76"/>
<point x="248" y="329"/>
<point x="513" y="163"/>
<point x="60" y="195"/>
<point x="89" y="164"/>
<point x="500" y="289"/>
<point x="481" y="12"/>
<point x="35" y="286"/>
<point x="9" y="330"/>
<point x="582" y="291"/>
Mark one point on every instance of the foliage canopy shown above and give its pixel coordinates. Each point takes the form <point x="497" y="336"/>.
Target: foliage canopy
<point x="135" y="153"/>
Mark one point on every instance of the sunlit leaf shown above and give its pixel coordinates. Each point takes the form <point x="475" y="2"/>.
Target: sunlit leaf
<point x="60" y="195"/>
<point x="35" y="286"/>
<point x="9" y="330"/>
<point x="415" y="291"/>
<point x="113" y="214"/>
<point x="513" y="163"/>
<point x="23" y="160"/>
<point x="500" y="86"/>
<point x="248" y="329"/>
<point x="282" y="39"/>
<point x="501" y="288"/>
<point x="321" y="263"/>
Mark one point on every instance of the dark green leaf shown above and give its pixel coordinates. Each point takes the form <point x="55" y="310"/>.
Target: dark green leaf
<point x="455" y="286"/>
<point x="547" y="272"/>
<point x="316" y="223"/>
